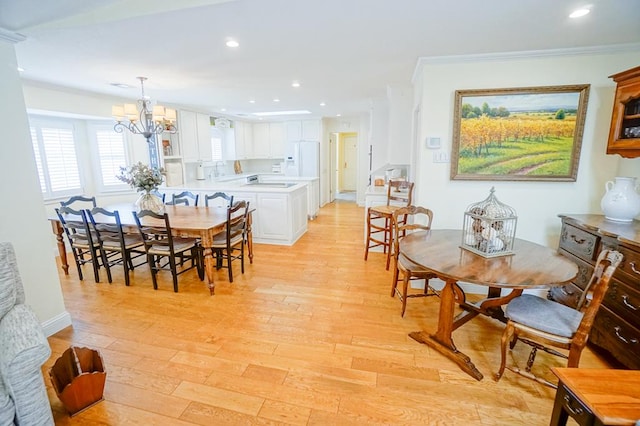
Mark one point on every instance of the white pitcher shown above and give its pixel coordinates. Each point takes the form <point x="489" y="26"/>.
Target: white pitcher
<point x="621" y="202"/>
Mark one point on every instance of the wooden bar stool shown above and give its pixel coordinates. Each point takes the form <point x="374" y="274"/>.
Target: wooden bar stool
<point x="399" y="194"/>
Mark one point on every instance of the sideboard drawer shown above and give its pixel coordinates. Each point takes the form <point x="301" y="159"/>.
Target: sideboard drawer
<point x="568" y="294"/>
<point x="579" y="242"/>
<point x="617" y="336"/>
<point x="624" y="301"/>
<point x="630" y="265"/>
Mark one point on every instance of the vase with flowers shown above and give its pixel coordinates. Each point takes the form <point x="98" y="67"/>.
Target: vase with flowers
<point x="144" y="179"/>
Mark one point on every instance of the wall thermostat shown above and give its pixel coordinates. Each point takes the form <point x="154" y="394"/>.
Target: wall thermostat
<point x="432" y="143"/>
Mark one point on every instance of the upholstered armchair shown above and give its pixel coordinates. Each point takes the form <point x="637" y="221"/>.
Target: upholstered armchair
<point x="23" y="351"/>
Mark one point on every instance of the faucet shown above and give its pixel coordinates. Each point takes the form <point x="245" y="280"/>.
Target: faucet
<point x="215" y="168"/>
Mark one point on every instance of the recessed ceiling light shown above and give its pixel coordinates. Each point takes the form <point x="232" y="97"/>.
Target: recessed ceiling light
<point x="252" y="101"/>
<point x="322" y="104"/>
<point x="232" y="43"/>
<point x="268" y="113"/>
<point x="338" y="115"/>
<point x="20" y="69"/>
<point x="276" y="100"/>
<point x="223" y="109"/>
<point x="579" y="13"/>
<point x="295" y="84"/>
<point x="120" y="85"/>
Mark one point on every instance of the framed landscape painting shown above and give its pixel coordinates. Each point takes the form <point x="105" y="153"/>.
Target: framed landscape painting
<point x="527" y="133"/>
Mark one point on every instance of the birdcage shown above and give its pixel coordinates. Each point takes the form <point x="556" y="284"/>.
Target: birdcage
<point x="489" y="227"/>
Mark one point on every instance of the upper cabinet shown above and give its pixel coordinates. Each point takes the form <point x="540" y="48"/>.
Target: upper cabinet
<point x="244" y="140"/>
<point x="259" y="140"/>
<point x="195" y="136"/>
<point x="302" y="130"/>
<point x="624" y="135"/>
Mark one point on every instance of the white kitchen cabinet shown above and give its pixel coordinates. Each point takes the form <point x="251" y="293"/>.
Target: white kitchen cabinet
<point x="313" y="194"/>
<point x="244" y="140"/>
<point x="310" y="130"/>
<point x="195" y="136"/>
<point x="273" y="219"/>
<point x="260" y="140"/>
<point x="293" y="130"/>
<point x="276" y="140"/>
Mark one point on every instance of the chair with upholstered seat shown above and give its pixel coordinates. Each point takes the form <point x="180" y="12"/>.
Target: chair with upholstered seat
<point x="399" y="194"/>
<point x="544" y="324"/>
<point x="218" y="199"/>
<point x="84" y="245"/>
<point x="229" y="245"/>
<point x="183" y="198"/>
<point x="120" y="248"/>
<point x="406" y="220"/>
<point x="164" y="250"/>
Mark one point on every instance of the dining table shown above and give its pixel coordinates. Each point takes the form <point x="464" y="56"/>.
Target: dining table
<point x="186" y="221"/>
<point x="530" y="266"/>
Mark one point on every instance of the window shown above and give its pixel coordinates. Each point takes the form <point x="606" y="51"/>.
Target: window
<point x="216" y="144"/>
<point x="111" y="155"/>
<point x="56" y="159"/>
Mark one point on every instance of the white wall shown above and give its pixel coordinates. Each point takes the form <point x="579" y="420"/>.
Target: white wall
<point x="400" y="117"/>
<point x="24" y="221"/>
<point x="537" y="203"/>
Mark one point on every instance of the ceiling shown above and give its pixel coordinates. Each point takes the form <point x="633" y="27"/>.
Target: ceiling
<point x="343" y="52"/>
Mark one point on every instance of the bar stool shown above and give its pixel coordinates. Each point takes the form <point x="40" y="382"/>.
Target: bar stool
<point x="399" y="194"/>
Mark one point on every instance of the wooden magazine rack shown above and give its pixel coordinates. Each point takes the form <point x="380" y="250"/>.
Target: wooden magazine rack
<point x="78" y="378"/>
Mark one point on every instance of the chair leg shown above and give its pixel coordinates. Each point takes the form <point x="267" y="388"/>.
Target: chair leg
<point x="229" y="254"/>
<point x="394" y="284"/>
<point x="506" y="337"/>
<point x="366" y="248"/>
<point x="126" y="264"/>
<point x="152" y="267"/>
<point x="242" y="258"/>
<point x="174" y="272"/>
<point x="105" y="262"/>
<point x="78" y="266"/>
<point x="405" y="287"/>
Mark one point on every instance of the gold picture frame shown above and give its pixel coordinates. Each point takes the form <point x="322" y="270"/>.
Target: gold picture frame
<point x="525" y="133"/>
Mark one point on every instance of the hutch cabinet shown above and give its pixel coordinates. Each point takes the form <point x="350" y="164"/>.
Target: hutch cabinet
<point x="624" y="134"/>
<point x="617" y="325"/>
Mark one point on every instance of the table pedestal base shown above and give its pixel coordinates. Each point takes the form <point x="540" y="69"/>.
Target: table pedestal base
<point x="463" y="361"/>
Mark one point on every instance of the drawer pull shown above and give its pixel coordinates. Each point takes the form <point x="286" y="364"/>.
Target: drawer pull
<point x="633" y="267"/>
<point x="573" y="411"/>
<point x="577" y="241"/>
<point x="625" y="300"/>
<point x="632" y="341"/>
<point x="563" y="289"/>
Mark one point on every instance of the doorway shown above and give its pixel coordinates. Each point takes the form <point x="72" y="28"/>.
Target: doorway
<point x="344" y="165"/>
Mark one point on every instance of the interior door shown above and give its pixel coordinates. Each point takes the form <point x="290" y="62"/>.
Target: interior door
<point x="349" y="158"/>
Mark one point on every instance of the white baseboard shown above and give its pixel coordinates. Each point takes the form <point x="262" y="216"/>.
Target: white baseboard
<point x="57" y="323"/>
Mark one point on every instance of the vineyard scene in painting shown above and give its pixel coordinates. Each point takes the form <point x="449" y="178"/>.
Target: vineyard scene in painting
<point x="518" y="135"/>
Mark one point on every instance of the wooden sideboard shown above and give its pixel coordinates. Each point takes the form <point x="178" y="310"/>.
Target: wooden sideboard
<point x="617" y="325"/>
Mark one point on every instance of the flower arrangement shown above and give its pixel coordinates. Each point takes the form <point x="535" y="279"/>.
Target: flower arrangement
<point x="141" y="177"/>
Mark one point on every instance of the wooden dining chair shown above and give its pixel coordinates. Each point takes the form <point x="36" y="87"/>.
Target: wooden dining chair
<point x="218" y="198"/>
<point x="120" y="248"/>
<point x="406" y="220"/>
<point x="229" y="245"/>
<point x="79" y="202"/>
<point x="84" y="245"/>
<point x="164" y="250"/>
<point x="544" y="324"/>
<point x="183" y="198"/>
<point x="379" y="228"/>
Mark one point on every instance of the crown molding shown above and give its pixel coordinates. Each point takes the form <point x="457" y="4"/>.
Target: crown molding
<point x="11" y="36"/>
<point x="505" y="56"/>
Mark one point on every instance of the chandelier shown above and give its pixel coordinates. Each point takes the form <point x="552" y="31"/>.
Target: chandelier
<point x="144" y="119"/>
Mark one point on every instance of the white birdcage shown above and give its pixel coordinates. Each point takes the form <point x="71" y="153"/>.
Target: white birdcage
<point x="489" y="227"/>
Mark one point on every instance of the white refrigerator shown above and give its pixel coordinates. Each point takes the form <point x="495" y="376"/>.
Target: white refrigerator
<point x="305" y="161"/>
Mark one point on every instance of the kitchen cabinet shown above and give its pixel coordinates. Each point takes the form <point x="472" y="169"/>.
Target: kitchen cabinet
<point x="244" y="140"/>
<point x="268" y="140"/>
<point x="616" y="327"/>
<point x="624" y="134"/>
<point x="302" y="130"/>
<point x="276" y="140"/>
<point x="260" y="140"/>
<point x="195" y="136"/>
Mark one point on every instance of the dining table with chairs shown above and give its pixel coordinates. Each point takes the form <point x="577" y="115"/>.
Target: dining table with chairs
<point x="186" y="221"/>
<point x="531" y="266"/>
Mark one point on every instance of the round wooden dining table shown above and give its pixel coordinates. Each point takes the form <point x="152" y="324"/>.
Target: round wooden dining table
<point x="531" y="266"/>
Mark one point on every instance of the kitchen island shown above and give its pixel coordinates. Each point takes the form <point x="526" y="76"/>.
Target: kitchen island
<point x="280" y="215"/>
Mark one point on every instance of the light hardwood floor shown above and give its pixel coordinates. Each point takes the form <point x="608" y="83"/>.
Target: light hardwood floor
<point x="307" y="336"/>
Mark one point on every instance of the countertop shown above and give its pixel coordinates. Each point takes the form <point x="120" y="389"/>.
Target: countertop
<point x="238" y="185"/>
